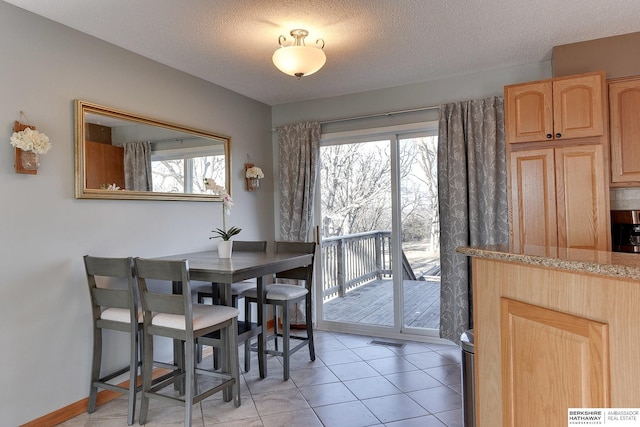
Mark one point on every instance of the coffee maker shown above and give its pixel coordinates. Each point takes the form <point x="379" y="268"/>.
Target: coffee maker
<point x="625" y="231"/>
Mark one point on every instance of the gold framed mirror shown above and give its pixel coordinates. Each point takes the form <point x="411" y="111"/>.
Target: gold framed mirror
<point x="120" y="155"/>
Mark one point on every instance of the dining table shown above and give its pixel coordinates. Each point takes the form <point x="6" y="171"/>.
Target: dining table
<point x="207" y="266"/>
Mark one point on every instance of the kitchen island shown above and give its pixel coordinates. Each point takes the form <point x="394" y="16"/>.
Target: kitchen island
<point x="555" y="328"/>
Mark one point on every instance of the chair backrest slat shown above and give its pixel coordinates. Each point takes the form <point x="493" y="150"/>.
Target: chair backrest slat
<point x="164" y="303"/>
<point x="160" y="270"/>
<point x="108" y="267"/>
<point x="111" y="297"/>
<point x="249" y="246"/>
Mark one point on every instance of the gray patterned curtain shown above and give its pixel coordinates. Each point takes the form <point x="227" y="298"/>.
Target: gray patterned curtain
<point x="137" y="166"/>
<point x="472" y="193"/>
<point x="299" y="153"/>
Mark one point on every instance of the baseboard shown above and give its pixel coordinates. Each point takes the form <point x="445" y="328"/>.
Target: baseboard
<point x="80" y="407"/>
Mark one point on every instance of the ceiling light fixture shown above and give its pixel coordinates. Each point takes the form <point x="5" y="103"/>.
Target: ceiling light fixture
<point x="298" y="59"/>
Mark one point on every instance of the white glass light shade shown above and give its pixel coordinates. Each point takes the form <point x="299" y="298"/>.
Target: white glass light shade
<point x="299" y="60"/>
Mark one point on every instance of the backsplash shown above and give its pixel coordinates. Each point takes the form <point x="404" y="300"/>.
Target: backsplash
<point x="625" y="198"/>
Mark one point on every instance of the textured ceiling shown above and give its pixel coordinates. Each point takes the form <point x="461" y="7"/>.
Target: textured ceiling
<point x="370" y="44"/>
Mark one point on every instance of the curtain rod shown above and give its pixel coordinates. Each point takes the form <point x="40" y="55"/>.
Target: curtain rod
<point x="369" y="116"/>
<point x="389" y="113"/>
<point x="176" y="139"/>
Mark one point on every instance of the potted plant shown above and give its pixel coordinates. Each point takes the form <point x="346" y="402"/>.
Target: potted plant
<point x="225" y="235"/>
<point x="225" y="247"/>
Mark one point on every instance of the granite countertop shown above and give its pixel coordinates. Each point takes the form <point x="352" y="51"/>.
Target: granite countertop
<point x="617" y="264"/>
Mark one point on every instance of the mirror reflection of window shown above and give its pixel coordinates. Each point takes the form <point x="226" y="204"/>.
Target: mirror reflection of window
<point x="180" y="165"/>
<point x="180" y="173"/>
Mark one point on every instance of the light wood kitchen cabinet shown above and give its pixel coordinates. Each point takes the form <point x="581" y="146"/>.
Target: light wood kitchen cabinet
<point x="624" y="110"/>
<point x="553" y="330"/>
<point x="559" y="197"/>
<point x="556" y="109"/>
<point x="533" y="198"/>
<point x="572" y="350"/>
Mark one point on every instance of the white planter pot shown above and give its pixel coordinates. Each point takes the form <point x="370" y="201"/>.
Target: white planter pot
<point x="224" y="248"/>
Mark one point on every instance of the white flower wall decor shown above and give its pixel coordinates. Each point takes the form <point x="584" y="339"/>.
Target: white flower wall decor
<point x="29" y="144"/>
<point x="253" y="174"/>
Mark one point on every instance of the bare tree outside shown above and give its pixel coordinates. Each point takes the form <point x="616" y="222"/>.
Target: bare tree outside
<point x="168" y="175"/>
<point x="356" y="189"/>
<point x="419" y="214"/>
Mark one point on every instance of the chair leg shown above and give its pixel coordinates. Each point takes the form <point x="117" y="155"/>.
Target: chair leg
<point x="230" y="365"/>
<point x="309" y="323"/>
<point x="275" y="325"/>
<point x="225" y="340"/>
<point x="233" y="361"/>
<point x="286" y="332"/>
<point x="199" y="350"/>
<point x="216" y="357"/>
<point x="147" y="367"/>
<point x="95" y="368"/>
<point x="133" y="376"/>
<point x="247" y="343"/>
<point x="179" y="357"/>
<point x="189" y="382"/>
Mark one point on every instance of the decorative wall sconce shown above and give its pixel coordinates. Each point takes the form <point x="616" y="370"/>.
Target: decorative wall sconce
<point x="298" y="59"/>
<point x="29" y="144"/>
<point x="253" y="174"/>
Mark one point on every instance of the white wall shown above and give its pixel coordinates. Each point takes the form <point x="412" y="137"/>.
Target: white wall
<point x="45" y="330"/>
<point x="432" y="93"/>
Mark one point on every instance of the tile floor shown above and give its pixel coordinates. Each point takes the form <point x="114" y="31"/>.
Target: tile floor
<point x="352" y="383"/>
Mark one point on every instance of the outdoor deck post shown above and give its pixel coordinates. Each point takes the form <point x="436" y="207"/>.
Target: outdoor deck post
<point x="341" y="265"/>
<point x="378" y="256"/>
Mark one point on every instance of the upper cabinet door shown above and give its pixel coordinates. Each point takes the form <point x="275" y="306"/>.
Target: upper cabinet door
<point x="529" y="112"/>
<point x="555" y="109"/>
<point x="624" y="108"/>
<point x="578" y="107"/>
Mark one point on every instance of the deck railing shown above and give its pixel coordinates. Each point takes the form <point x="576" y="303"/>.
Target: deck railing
<point x="353" y="260"/>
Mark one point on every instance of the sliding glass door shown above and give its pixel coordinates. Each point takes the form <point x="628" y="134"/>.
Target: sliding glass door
<point x="419" y="233"/>
<point x="378" y="204"/>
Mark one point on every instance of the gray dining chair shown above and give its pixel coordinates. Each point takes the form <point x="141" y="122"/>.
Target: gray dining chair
<point x="115" y="309"/>
<point x="173" y="315"/>
<point x="284" y="296"/>
<point x="238" y="289"/>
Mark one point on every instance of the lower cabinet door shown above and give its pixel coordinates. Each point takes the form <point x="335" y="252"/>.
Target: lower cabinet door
<point x="551" y="361"/>
<point x="533" y="198"/>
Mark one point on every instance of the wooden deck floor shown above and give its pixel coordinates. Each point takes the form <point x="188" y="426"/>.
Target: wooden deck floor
<point x="373" y="304"/>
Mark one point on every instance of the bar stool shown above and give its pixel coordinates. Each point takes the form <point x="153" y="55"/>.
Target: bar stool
<point x="174" y="315"/>
<point x="284" y="296"/>
<point x="114" y="309"/>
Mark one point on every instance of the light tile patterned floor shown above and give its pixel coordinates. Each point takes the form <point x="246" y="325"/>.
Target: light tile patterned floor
<point x="352" y="383"/>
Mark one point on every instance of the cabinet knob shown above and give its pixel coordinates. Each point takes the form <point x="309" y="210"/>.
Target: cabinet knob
<point x="558" y="135"/>
<point x="549" y="136"/>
